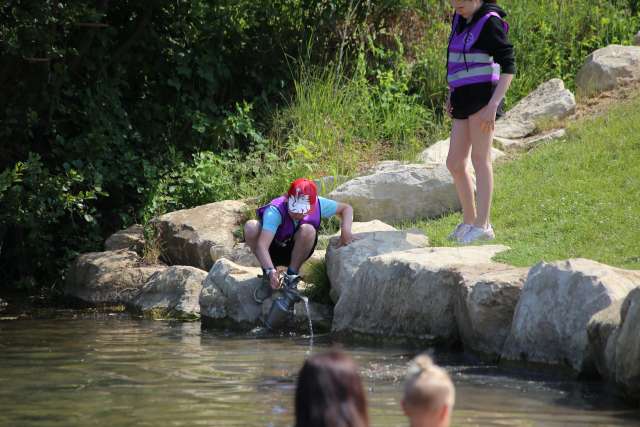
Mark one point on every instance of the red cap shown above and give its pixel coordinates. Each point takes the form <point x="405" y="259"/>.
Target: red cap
<point x="303" y="195"/>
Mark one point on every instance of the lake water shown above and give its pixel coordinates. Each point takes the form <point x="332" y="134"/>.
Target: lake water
<point x="110" y="370"/>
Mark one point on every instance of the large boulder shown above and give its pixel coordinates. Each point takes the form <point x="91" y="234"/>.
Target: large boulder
<point x="240" y="254"/>
<point x="484" y="306"/>
<point x="615" y="342"/>
<point x="602" y="334"/>
<point x="226" y="300"/>
<point x="327" y="184"/>
<point x="199" y="236"/>
<point x="437" y="153"/>
<point x="372" y="238"/>
<point x="557" y="302"/>
<point x="524" y="144"/>
<point x="130" y="238"/>
<point x="171" y="293"/>
<point x="111" y="277"/>
<point x="321" y="316"/>
<point x="227" y="295"/>
<point x="400" y="192"/>
<point x="608" y="68"/>
<point x="550" y="101"/>
<point x="408" y="294"/>
<point x="627" y="351"/>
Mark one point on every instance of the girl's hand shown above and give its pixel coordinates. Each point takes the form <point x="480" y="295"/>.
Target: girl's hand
<point x="447" y="106"/>
<point x="346" y="238"/>
<point x="274" y="280"/>
<point x="487" y="117"/>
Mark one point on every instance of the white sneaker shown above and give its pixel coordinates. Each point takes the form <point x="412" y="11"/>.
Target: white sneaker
<point x="459" y="231"/>
<point x="477" y="233"/>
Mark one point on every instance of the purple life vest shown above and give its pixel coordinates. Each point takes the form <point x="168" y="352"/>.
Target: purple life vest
<point x="467" y="65"/>
<point x="287" y="228"/>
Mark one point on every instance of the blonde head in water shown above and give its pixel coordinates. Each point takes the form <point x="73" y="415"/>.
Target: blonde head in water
<point x="429" y="394"/>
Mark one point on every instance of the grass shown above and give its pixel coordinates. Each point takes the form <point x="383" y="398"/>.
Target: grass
<point x="318" y="282"/>
<point x="577" y="197"/>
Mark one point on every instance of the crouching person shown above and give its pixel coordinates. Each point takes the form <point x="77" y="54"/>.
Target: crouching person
<point x="286" y="233"/>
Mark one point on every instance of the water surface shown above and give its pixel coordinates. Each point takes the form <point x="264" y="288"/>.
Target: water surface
<point x="115" y="371"/>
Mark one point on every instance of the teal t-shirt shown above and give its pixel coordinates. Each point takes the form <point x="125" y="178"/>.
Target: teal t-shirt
<point x="271" y="218"/>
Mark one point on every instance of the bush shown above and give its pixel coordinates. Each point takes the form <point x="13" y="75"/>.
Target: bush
<point x="118" y="111"/>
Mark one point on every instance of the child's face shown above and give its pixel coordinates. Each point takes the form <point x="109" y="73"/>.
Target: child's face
<point x="466" y="8"/>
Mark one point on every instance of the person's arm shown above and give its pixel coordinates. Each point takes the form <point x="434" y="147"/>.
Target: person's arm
<point x="262" y="253"/>
<point x="488" y="113"/>
<point x="345" y="212"/>
<point x="494" y="39"/>
<point x="271" y="220"/>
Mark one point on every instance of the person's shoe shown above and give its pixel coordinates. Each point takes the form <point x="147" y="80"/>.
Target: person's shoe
<point x="291" y="281"/>
<point x="459" y="231"/>
<point x="477" y="233"/>
<point x="263" y="291"/>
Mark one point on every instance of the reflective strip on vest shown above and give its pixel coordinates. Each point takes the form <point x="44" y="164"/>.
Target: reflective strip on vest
<point x="488" y="73"/>
<point x="483" y="58"/>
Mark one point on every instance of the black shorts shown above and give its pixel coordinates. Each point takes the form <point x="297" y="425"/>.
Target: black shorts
<point x="468" y="100"/>
<point x="280" y="253"/>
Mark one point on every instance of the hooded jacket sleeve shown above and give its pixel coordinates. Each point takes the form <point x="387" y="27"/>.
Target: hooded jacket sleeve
<point x="494" y="40"/>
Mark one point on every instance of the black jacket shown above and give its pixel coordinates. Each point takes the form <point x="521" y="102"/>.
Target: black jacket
<point x="469" y="99"/>
<point x="493" y="39"/>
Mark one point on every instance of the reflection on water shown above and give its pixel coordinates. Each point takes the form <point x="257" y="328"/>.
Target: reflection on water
<point x="120" y="372"/>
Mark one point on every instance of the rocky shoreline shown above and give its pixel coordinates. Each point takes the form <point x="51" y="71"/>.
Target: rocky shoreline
<point x="573" y="315"/>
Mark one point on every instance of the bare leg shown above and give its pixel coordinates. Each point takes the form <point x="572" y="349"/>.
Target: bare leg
<point x="457" y="161"/>
<point x="303" y="243"/>
<point x="481" y="159"/>
<point x="252" y="231"/>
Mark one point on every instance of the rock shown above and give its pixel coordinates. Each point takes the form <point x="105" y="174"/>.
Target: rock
<point x="400" y="193"/>
<point x="366" y="227"/>
<point x="627" y="346"/>
<point x="3" y="305"/>
<point x="528" y="143"/>
<point x="373" y="238"/>
<point x="240" y="254"/>
<point x="326" y="184"/>
<point x="173" y="292"/>
<point x="608" y="68"/>
<point x="557" y="302"/>
<point x="408" y="294"/>
<point x="226" y="299"/>
<point x="550" y="101"/>
<point x="321" y="317"/>
<point x="484" y="306"/>
<point x="386" y="166"/>
<point x="602" y="335"/>
<point x="108" y="277"/>
<point x="636" y="39"/>
<point x="200" y="236"/>
<point x="130" y="238"/>
<point x="227" y="294"/>
<point x="615" y="343"/>
<point x="437" y="153"/>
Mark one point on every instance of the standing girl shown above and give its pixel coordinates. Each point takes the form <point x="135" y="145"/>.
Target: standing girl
<point x="480" y="67"/>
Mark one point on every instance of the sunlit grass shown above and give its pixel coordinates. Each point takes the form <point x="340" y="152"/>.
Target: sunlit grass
<point x="577" y="197"/>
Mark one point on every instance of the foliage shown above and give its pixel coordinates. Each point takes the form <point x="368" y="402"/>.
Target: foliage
<point x="113" y="112"/>
<point x="319" y="285"/>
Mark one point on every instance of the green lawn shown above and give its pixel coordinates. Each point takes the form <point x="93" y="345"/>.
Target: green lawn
<point x="578" y="197"/>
